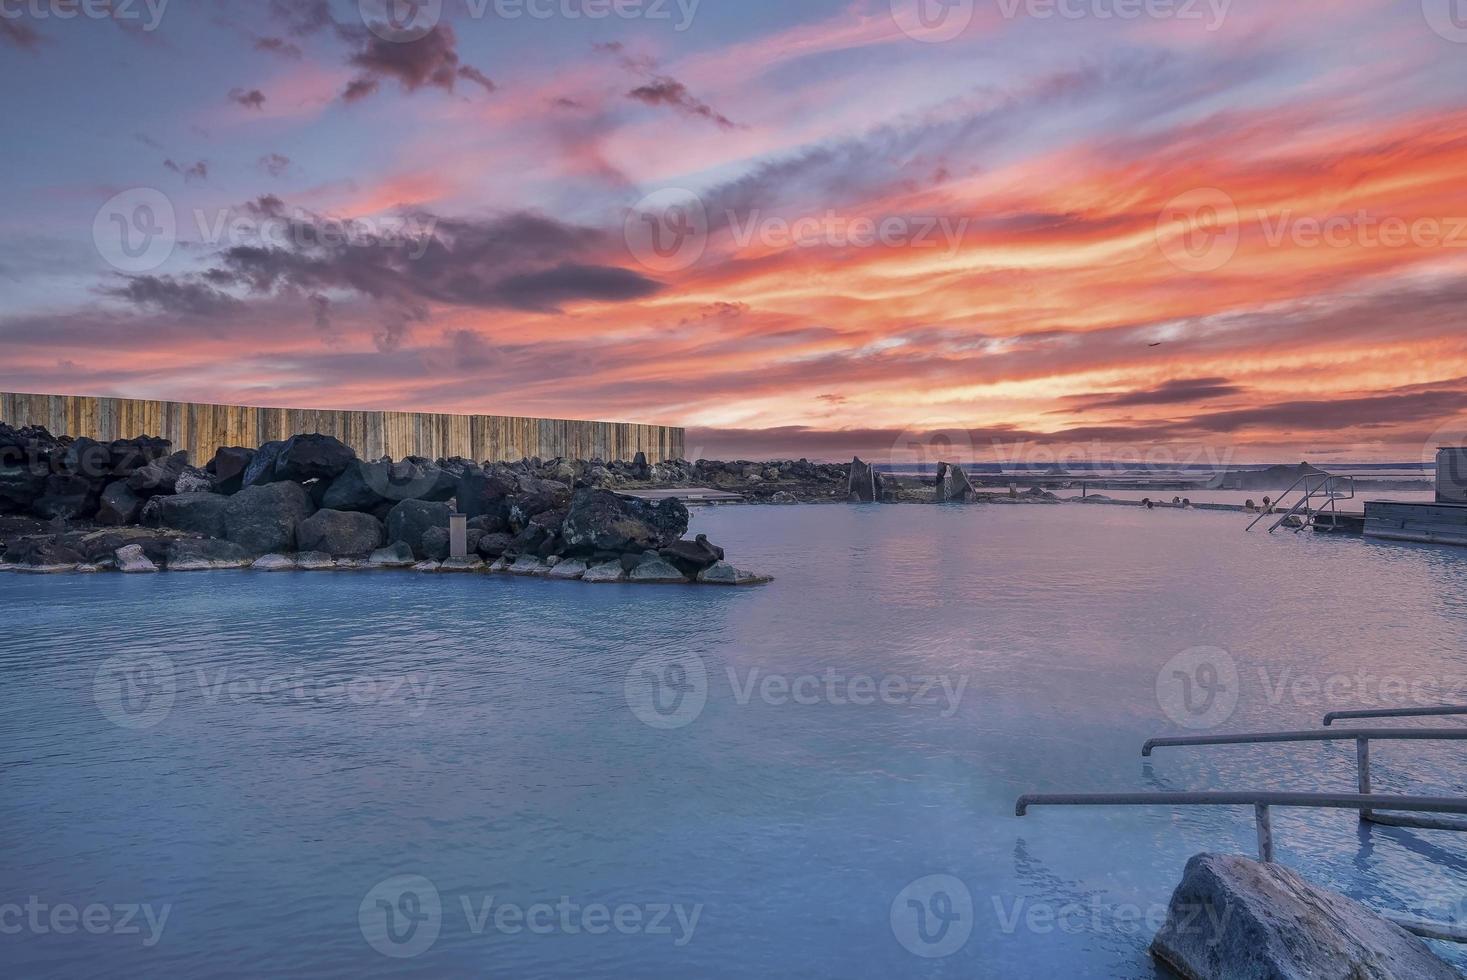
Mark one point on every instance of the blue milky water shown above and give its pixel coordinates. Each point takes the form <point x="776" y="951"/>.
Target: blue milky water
<point x="265" y="757"/>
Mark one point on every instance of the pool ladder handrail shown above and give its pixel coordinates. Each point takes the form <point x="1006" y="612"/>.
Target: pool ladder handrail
<point x="1320" y="484"/>
<point x="1439" y="711"/>
<point x="1365" y="802"/>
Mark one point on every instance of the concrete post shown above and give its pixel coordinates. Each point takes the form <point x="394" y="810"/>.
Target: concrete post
<point x="458" y="536"/>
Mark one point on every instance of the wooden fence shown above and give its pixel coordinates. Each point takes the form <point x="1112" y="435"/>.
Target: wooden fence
<point x="201" y="429"/>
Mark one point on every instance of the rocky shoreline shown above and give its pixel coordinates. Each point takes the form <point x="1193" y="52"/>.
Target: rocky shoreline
<point x="309" y="503"/>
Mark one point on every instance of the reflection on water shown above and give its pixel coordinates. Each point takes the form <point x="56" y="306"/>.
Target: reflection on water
<point x="811" y="779"/>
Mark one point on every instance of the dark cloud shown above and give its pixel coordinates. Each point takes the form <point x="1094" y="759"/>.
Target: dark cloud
<point x="196" y="171"/>
<point x="21" y="35"/>
<point x="169" y="295"/>
<point x="250" y="99"/>
<point x="546" y="290"/>
<point x="278" y="45"/>
<point x="431" y="61"/>
<point x="665" y="91"/>
<point x="274" y="164"/>
<point x="1177" y="392"/>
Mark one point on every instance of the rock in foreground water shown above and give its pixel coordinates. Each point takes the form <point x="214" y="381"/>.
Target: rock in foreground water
<point x="1232" y="918"/>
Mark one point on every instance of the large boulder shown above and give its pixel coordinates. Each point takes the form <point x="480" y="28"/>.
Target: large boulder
<point x="158" y="476"/>
<point x="42" y="551"/>
<point x="20" y="485"/>
<point x="201" y="513"/>
<point x="67" y="496"/>
<point x="953" y="485"/>
<point x="601" y="521"/>
<point x="206" y="554"/>
<point x="359" y="487"/>
<point x="692" y="557"/>
<point x="339" y="532"/>
<point x="261" y="469"/>
<point x="312" y="456"/>
<point x="118" y="505"/>
<point x="194" y="479"/>
<point x="1233" y="919"/>
<point x="264" y="519"/>
<point x="409" y="520"/>
<point x="127" y="456"/>
<point x="864" y="484"/>
<point x="485" y="492"/>
<point x="494" y="544"/>
<point x="229" y="466"/>
<point x="86" y="458"/>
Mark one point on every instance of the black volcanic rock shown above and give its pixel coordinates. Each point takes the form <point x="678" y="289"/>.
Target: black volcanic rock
<point x="229" y="466"/>
<point x="340" y="533"/>
<point x="263" y="519"/>
<point x="409" y="520"/>
<point x="312" y="456"/>
<point x="118" y="505"/>
<point x="600" y="520"/>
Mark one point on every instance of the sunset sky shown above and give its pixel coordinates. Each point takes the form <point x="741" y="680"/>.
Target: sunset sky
<point x="814" y="228"/>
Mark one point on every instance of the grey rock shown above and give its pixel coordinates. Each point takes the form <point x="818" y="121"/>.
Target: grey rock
<point x="206" y="554"/>
<point x="193" y="480"/>
<point x="312" y="456"/>
<point x="395" y="555"/>
<point x="953" y="485"/>
<point x="201" y="513"/>
<point x="158" y="476"/>
<point x="529" y="565"/>
<point x="426" y="566"/>
<point x="572" y="568"/>
<point x="263" y="519"/>
<point x="261" y="468"/>
<point x="691" y="557"/>
<point x="864" y="484"/>
<point x="130" y="559"/>
<point x="340" y="532"/>
<point x="494" y="545"/>
<point x="462" y="565"/>
<point x="315" y="561"/>
<point x="274" y="563"/>
<point x="409" y="520"/>
<point x="435" y="543"/>
<point x="723" y="573"/>
<point x="500" y="565"/>
<point x="607" y="571"/>
<point x="118" y="505"/>
<point x="657" y="572"/>
<point x="1235" y="919"/>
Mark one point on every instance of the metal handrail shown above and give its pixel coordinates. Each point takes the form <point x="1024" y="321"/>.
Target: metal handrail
<point x="1325" y="487"/>
<point x="1438" y="711"/>
<point x="1260" y="801"/>
<point x="1333" y="735"/>
<point x="1362" y="738"/>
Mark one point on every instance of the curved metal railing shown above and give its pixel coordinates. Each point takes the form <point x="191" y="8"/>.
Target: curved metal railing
<point x="1440" y="711"/>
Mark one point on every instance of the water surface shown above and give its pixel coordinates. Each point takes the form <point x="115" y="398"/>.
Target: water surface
<point x="303" y="739"/>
